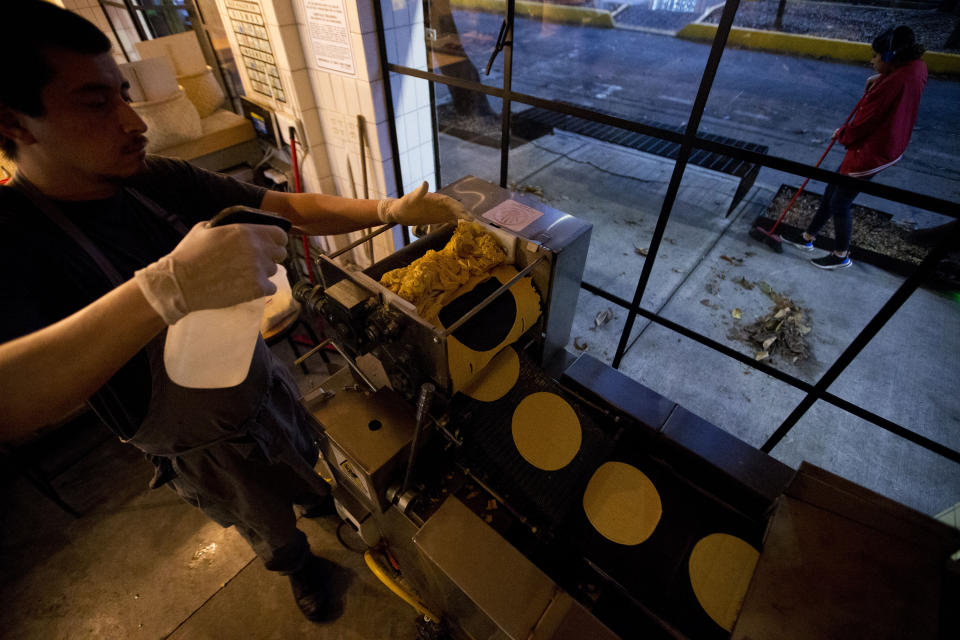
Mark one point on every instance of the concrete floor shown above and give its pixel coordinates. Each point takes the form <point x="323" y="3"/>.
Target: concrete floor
<point x="908" y="374"/>
<point x="142" y="563"/>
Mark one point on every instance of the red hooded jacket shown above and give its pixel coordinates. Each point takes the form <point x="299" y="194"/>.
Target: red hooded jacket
<point x="878" y="134"/>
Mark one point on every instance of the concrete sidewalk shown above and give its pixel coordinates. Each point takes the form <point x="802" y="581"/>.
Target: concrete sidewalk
<point x="908" y="374"/>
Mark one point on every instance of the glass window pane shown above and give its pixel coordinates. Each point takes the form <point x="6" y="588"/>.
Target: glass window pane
<point x="461" y="41"/>
<point x="737" y="398"/>
<point x="909" y="373"/>
<point x="863" y="453"/>
<point x="414" y="127"/>
<point x="574" y="55"/>
<point x="793" y="102"/>
<point x="461" y="155"/>
<point x="617" y="189"/>
<point x="452" y="41"/>
<point x="709" y="274"/>
<point x="718" y="279"/>
<point x="597" y="326"/>
<point x="472" y="117"/>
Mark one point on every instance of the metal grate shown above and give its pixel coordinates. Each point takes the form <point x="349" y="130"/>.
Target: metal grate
<point x="536" y="121"/>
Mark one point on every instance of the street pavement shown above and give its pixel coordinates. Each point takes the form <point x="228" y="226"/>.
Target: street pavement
<point x="790" y="104"/>
<point x="908" y="374"/>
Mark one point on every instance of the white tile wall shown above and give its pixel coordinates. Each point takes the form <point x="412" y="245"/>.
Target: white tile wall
<point x="365" y="56"/>
<point x="353" y="22"/>
<point x="327" y="185"/>
<point x="426" y="123"/>
<point x="293" y="46"/>
<point x="330" y="121"/>
<point x="407" y="164"/>
<point x="383" y="141"/>
<point x="318" y="153"/>
<point x="372" y="101"/>
<point x="339" y="93"/>
<point x="311" y="126"/>
<point x="365" y="16"/>
<point x="352" y="89"/>
<point x="323" y="88"/>
<point x="308" y="174"/>
<point x="278" y="12"/>
<point x="302" y="89"/>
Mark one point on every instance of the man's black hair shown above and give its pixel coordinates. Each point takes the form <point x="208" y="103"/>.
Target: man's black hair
<point x="898" y="45"/>
<point x="30" y="31"/>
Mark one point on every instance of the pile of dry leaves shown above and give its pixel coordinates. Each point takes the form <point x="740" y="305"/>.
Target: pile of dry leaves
<point x="781" y="333"/>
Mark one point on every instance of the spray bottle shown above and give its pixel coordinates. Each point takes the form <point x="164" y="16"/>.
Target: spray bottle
<point x="213" y="348"/>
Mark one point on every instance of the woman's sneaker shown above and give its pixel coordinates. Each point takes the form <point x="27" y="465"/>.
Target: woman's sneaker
<point x="832" y="261"/>
<point x="796" y="239"/>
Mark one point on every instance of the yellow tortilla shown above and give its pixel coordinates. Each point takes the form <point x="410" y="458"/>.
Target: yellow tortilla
<point x="546" y="431"/>
<point x="497" y="378"/>
<point x="622" y="503"/>
<point x="721" y="567"/>
<point x="465" y="362"/>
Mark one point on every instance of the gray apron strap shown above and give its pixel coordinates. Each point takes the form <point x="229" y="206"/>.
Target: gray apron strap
<point x="46" y="206"/>
<point x="53" y="212"/>
<point x="158" y="211"/>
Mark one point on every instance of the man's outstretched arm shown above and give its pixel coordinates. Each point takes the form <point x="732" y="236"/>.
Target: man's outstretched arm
<point x="320" y="214"/>
<point x="46" y="374"/>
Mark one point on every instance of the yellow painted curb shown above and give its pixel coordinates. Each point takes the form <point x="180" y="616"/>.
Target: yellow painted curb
<point x="543" y="11"/>
<point x="937" y="62"/>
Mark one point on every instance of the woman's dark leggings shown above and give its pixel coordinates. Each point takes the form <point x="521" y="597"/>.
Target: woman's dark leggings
<point x="836" y="204"/>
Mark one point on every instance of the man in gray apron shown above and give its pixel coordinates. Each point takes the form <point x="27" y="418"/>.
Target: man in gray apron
<point x="102" y="247"/>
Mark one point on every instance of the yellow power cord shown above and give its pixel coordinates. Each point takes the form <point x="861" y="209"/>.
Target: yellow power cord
<point x="391" y="584"/>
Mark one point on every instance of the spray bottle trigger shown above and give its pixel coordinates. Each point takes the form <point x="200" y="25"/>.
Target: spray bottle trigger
<point x="240" y="214"/>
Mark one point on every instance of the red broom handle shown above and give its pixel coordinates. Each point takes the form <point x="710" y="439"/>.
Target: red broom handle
<point x="296" y="189"/>
<point x="833" y="141"/>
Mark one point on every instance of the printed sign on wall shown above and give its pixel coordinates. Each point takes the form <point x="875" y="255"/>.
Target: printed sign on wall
<point x="330" y="35"/>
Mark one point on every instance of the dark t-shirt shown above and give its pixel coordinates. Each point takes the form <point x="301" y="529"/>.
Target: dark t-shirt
<point x="47" y="276"/>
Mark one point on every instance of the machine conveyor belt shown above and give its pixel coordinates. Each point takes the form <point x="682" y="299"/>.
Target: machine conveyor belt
<point x="489" y="450"/>
<point x="654" y="572"/>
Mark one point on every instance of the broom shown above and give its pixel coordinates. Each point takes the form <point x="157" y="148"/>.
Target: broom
<point x="770" y="236"/>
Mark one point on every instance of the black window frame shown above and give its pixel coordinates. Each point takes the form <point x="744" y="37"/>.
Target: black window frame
<point x="690" y="141"/>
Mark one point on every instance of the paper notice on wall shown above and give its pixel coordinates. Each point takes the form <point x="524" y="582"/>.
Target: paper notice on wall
<point x="330" y="39"/>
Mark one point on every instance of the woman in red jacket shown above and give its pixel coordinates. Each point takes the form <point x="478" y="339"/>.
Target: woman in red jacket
<point x="875" y="137"/>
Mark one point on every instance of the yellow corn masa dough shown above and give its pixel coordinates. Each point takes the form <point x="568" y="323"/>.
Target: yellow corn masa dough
<point x="622" y="504"/>
<point x="471" y="251"/>
<point x="721" y="567"/>
<point x="465" y="362"/>
<point x="546" y="431"/>
<point x="496" y="379"/>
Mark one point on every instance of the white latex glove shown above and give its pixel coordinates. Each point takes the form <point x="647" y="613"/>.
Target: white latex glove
<point x="872" y="80"/>
<point x="213" y="268"/>
<point x="420" y="207"/>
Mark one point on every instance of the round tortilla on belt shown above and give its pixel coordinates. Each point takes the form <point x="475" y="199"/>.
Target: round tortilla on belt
<point x="622" y="503"/>
<point x="721" y="567"/>
<point x="546" y="431"/>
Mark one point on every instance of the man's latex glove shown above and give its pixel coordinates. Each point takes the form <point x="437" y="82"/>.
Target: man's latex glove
<point x="872" y="80"/>
<point x="212" y="268"/>
<point x="420" y="207"/>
